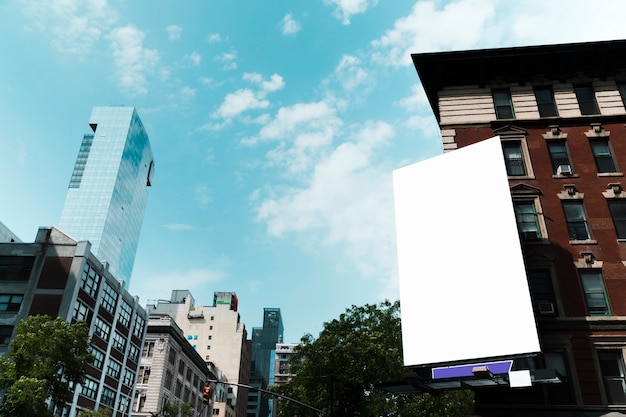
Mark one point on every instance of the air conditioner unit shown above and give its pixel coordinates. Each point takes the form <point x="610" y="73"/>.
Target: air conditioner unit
<point x="545" y="307"/>
<point x="530" y="235"/>
<point x="565" y="170"/>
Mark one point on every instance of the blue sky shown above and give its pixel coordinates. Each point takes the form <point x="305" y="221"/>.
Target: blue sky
<point x="275" y="127"/>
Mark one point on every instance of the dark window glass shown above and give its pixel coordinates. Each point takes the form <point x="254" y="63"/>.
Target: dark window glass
<point x="11" y="302"/>
<point x="603" y="155"/>
<point x="576" y="220"/>
<point x="541" y="291"/>
<point x="595" y="294"/>
<point x="614" y="378"/>
<point x="16" y="268"/>
<point x="558" y="155"/>
<point x="545" y="102"/>
<point x="622" y="92"/>
<point x="586" y="99"/>
<point x="527" y="219"/>
<point x="618" y="213"/>
<point x="5" y="334"/>
<point x="503" y="104"/>
<point x="513" y="158"/>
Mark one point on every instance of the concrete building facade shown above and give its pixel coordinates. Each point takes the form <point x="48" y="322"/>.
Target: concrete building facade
<point x="560" y="113"/>
<point x="220" y="338"/>
<point x="108" y="189"/>
<point x="170" y="372"/>
<point x="61" y="277"/>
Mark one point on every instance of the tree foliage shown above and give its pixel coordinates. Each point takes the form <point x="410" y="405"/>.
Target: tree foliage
<point x="100" y="412"/>
<point x="45" y="358"/>
<point x="338" y="371"/>
<point x="176" y="410"/>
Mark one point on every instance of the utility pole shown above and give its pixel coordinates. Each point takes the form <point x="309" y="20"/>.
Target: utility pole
<point x="273" y="394"/>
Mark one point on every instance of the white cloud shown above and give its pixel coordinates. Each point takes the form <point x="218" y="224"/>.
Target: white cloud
<point x="177" y="227"/>
<point x="214" y="38"/>
<point x="238" y="102"/>
<point x="346" y="8"/>
<point x="228" y="60"/>
<point x="347" y="199"/>
<point x="202" y="195"/>
<point x="247" y="99"/>
<point x="132" y="61"/>
<point x="311" y="115"/>
<point x="195" y="58"/>
<point x="73" y="25"/>
<point x="174" y="32"/>
<point x="429" y="28"/>
<point x="289" y="26"/>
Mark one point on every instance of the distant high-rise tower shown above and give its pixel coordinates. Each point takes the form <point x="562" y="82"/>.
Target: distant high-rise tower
<point x="108" y="191"/>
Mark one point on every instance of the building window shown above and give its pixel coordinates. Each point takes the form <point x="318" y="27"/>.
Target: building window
<point x="576" y="220"/>
<point x="144" y="375"/>
<point x="90" y="388"/>
<point x="171" y="358"/>
<point x="90" y="281"/>
<point x="545" y="102"/>
<point x="109" y="298"/>
<point x="119" y="341"/>
<point x="613" y="376"/>
<point x="114" y="369"/>
<point x="10" y="302"/>
<point x="148" y="349"/>
<point x="559" y="157"/>
<point x="5" y="334"/>
<point x="603" y="155"/>
<point x="107" y="397"/>
<point x="622" y="92"/>
<point x="82" y="312"/>
<point x="167" y="382"/>
<point x="102" y="329"/>
<point x="586" y="99"/>
<point x="527" y="220"/>
<point x="126" y="313"/>
<point x="514" y="158"/>
<point x="16" y="268"/>
<point x="98" y="361"/>
<point x="138" y="329"/>
<point x="542" y="292"/>
<point x="617" y="208"/>
<point x="129" y="377"/>
<point x="133" y="353"/>
<point x="503" y="103"/>
<point x="595" y="293"/>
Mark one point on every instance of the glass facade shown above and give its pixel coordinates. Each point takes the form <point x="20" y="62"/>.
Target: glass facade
<point x="108" y="191"/>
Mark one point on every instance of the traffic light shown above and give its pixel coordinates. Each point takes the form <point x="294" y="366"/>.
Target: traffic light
<point x="206" y="397"/>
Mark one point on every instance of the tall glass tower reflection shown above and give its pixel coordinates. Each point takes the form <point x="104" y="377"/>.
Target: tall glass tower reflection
<point x="108" y="191"/>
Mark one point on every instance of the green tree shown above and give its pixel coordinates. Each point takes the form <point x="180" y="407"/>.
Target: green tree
<point x="44" y="359"/>
<point x="338" y="371"/>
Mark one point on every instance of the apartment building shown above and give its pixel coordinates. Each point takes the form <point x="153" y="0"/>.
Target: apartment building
<point x="560" y="113"/>
<point x="61" y="277"/>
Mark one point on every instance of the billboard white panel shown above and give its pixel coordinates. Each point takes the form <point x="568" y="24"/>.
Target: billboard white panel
<point x="463" y="288"/>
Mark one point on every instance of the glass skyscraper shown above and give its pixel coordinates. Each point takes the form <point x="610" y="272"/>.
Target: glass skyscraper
<point x="108" y="191"/>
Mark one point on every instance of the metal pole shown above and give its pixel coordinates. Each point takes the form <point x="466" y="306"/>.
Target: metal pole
<point x="273" y="394"/>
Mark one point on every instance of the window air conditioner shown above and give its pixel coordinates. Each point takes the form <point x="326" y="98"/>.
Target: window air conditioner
<point x="545" y="307"/>
<point x="530" y="235"/>
<point x="564" y="170"/>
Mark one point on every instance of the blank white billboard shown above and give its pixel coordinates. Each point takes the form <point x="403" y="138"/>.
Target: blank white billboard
<point x="463" y="288"/>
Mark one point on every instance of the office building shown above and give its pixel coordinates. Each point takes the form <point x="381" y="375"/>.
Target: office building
<point x="59" y="276"/>
<point x="171" y="371"/>
<point x="220" y="338"/>
<point x="283" y="372"/>
<point x="559" y="111"/>
<point x="107" y="193"/>
<point x="264" y="341"/>
<point x="6" y="235"/>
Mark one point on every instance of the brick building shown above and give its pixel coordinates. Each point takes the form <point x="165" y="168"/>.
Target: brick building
<point x="560" y="113"/>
